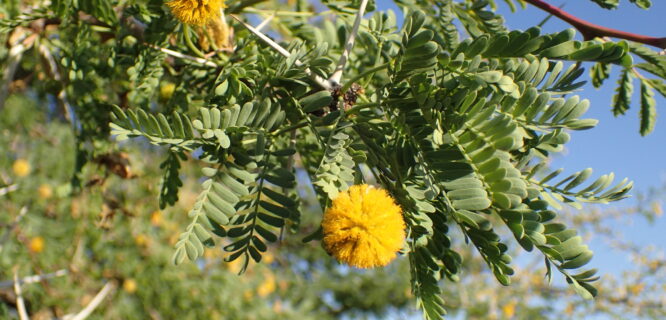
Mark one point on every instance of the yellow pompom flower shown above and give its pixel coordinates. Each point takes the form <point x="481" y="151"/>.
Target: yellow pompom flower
<point x="21" y="168"/>
<point x="196" y="12"/>
<point x="363" y="227"/>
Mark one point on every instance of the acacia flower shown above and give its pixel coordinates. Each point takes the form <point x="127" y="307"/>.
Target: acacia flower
<point x="196" y="12"/>
<point x="363" y="227"/>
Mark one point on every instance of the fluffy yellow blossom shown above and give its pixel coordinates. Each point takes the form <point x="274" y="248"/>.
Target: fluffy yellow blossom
<point x="129" y="285"/>
<point x="45" y="191"/>
<point x="36" y="244"/>
<point x="21" y="168"/>
<point x="363" y="227"/>
<point x="196" y="12"/>
<point x="219" y="32"/>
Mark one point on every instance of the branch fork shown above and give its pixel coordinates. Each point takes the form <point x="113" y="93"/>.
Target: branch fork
<point x="333" y="82"/>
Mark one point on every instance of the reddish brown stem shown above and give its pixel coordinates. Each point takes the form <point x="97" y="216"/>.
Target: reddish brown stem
<point x="590" y="30"/>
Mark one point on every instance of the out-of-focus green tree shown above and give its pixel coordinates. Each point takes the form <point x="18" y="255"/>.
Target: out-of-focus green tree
<point x="113" y="232"/>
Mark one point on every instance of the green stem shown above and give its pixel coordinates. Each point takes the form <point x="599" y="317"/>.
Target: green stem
<point x="291" y="128"/>
<point x="190" y="44"/>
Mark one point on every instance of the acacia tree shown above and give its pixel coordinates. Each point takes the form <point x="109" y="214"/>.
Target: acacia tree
<point x="450" y="115"/>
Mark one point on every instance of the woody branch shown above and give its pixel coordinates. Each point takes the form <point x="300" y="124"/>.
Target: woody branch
<point x="590" y="30"/>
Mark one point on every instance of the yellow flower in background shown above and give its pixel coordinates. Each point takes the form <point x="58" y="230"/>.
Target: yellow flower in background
<point x="156" y="218"/>
<point x="36" y="244"/>
<point x="636" y="289"/>
<point x="129" y="285"/>
<point x="268" y="257"/>
<point x="141" y="240"/>
<point x="277" y="306"/>
<point x="363" y="227"/>
<point x="509" y="309"/>
<point x="21" y="168"/>
<point x="44" y="191"/>
<point x="267" y="286"/>
<point x="166" y="90"/>
<point x="569" y="310"/>
<point x="196" y="12"/>
<point x="234" y="266"/>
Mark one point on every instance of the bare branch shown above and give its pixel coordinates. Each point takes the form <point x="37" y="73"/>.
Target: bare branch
<point x="53" y="67"/>
<point x="13" y="59"/>
<point x="591" y="31"/>
<point x="35" y="278"/>
<point x="8" y="189"/>
<point x="177" y="54"/>
<point x="20" y="304"/>
<point x="11" y="226"/>
<point x="94" y="303"/>
<point x="265" y="22"/>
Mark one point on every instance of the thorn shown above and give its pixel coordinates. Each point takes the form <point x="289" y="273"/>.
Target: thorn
<point x="337" y="74"/>
<point x="321" y="82"/>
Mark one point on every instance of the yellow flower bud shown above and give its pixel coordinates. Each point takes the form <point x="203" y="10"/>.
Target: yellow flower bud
<point x="166" y="90"/>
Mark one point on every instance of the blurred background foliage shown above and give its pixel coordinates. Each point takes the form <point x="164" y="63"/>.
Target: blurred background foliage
<point x="113" y="231"/>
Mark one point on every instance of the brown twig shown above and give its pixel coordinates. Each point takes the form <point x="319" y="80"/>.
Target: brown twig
<point x="590" y="30"/>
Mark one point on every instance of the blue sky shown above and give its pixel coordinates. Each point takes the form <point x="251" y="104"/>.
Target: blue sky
<point x="615" y="144"/>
